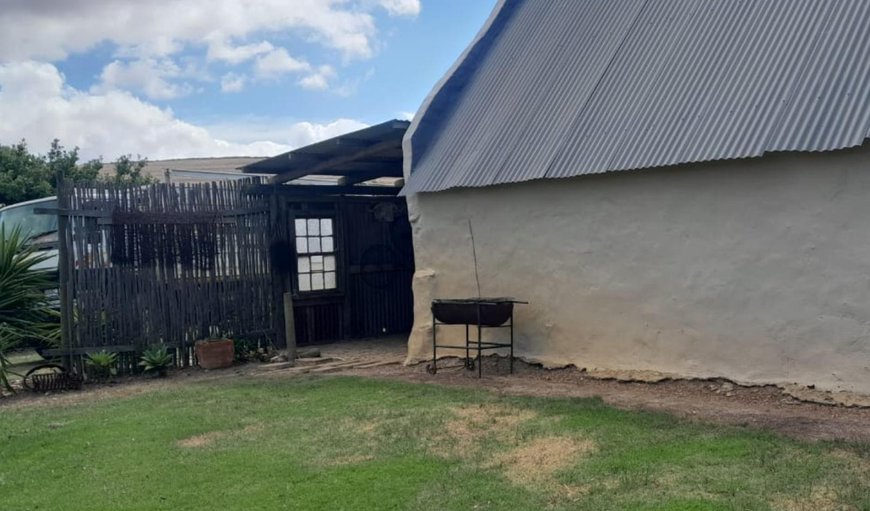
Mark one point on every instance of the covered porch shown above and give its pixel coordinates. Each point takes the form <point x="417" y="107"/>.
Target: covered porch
<point x="340" y="240"/>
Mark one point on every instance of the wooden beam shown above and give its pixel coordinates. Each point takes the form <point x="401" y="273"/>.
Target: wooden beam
<point x="85" y="213"/>
<point x="91" y="349"/>
<point x="352" y="142"/>
<point x="334" y="162"/>
<point x="385" y="167"/>
<point x="362" y="177"/>
<point x="289" y="328"/>
<point x="303" y="160"/>
<point x="318" y="190"/>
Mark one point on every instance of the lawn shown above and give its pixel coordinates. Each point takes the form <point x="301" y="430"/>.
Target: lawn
<point x="347" y="443"/>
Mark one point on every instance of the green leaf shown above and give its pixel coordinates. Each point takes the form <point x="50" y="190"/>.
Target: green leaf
<point x="25" y="312"/>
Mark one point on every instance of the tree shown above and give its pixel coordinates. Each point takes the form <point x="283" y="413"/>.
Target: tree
<point x="64" y="164"/>
<point x="129" y="171"/>
<point x="25" y="176"/>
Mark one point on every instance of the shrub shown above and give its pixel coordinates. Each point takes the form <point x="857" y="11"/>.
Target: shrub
<point x="246" y="350"/>
<point x="5" y="371"/>
<point x="157" y="360"/>
<point x="103" y="364"/>
<point x="25" y="312"/>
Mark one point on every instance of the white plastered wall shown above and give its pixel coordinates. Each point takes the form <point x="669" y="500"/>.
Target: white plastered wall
<point x="755" y="270"/>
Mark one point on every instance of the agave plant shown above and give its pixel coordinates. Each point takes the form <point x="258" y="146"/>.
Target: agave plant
<point x="6" y="345"/>
<point x="25" y="312"/>
<point x="156" y="359"/>
<point x="103" y="364"/>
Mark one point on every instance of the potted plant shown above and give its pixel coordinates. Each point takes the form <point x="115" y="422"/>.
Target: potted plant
<point x="215" y="353"/>
<point x="156" y="360"/>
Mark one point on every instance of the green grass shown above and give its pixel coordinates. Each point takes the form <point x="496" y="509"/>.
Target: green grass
<point x="345" y="443"/>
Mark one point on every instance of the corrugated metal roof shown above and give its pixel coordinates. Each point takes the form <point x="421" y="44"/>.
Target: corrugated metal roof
<point x="564" y="88"/>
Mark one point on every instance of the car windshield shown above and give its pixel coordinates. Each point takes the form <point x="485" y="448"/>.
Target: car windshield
<point x="27" y="220"/>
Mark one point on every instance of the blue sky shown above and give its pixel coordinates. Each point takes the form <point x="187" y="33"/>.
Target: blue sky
<point x="168" y="79"/>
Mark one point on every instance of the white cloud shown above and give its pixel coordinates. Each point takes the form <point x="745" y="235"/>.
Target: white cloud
<point x="38" y="105"/>
<point x="29" y="82"/>
<point x="220" y="49"/>
<point x="319" y="79"/>
<point x="232" y="82"/>
<point x="52" y="29"/>
<point x="295" y="134"/>
<point x="279" y="62"/>
<point x="149" y="76"/>
<point x="407" y="116"/>
<point x="314" y="132"/>
<point x="163" y="47"/>
<point x="401" y="7"/>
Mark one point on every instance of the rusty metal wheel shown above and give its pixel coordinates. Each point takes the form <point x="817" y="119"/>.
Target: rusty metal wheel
<point x="44" y="369"/>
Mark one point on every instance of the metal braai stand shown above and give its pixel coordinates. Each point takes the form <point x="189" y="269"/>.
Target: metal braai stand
<point x="480" y="313"/>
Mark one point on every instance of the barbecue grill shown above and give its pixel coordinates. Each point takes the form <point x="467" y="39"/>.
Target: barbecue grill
<point x="479" y="313"/>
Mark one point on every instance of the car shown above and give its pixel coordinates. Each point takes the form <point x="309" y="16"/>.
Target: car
<point x="41" y="232"/>
<point x="40" y="229"/>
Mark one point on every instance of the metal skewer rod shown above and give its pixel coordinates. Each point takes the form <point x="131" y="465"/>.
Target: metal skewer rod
<point x="474" y="253"/>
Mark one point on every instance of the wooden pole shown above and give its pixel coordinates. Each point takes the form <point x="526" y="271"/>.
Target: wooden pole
<point x="63" y="262"/>
<point x="289" y="327"/>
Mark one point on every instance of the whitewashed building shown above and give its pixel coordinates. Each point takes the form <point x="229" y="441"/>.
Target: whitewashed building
<point x="676" y="186"/>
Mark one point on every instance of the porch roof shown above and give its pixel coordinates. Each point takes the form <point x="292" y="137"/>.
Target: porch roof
<point x="365" y="155"/>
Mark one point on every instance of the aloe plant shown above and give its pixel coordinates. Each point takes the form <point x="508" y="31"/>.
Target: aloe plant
<point x="103" y="363"/>
<point x="25" y="312"/>
<point x="5" y="365"/>
<point x="156" y="359"/>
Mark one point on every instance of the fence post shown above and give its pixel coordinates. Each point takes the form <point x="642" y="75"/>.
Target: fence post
<point x="289" y="327"/>
<point x="63" y="278"/>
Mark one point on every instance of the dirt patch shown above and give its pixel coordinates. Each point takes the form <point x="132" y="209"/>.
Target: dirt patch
<point x="472" y="424"/>
<point x="853" y="461"/>
<point x="368" y="428"/>
<point x="123" y="388"/>
<point x="212" y="437"/>
<point x="705" y="401"/>
<point x="535" y="463"/>
<point x="202" y="440"/>
<point x="341" y="461"/>
<point x="715" y="401"/>
<point x="89" y="394"/>
<point x="679" y="484"/>
<point x="532" y="463"/>
<point x="821" y="498"/>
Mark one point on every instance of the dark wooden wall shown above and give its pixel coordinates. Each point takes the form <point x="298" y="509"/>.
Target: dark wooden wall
<point x="376" y="266"/>
<point x="162" y="264"/>
<point x="174" y="263"/>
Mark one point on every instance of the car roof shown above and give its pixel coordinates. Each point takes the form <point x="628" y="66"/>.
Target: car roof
<point x="26" y="203"/>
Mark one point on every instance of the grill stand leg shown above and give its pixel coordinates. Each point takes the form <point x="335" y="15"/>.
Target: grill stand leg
<point x="512" y="343"/>
<point x="434" y="368"/>
<point x="479" y="340"/>
<point x="479" y="352"/>
<point x="467" y="349"/>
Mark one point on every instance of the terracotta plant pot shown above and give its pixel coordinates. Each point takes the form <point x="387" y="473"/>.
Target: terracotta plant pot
<point x="215" y="354"/>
